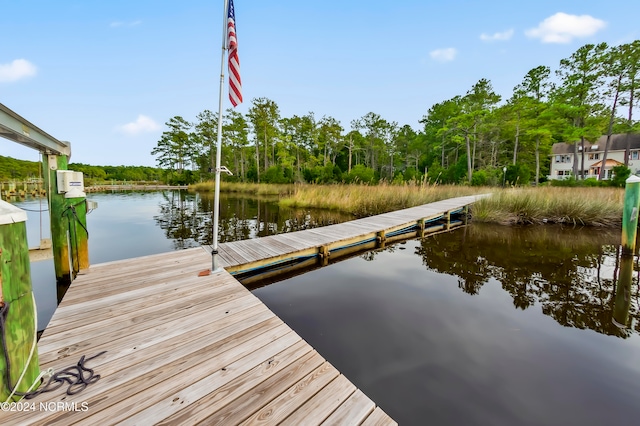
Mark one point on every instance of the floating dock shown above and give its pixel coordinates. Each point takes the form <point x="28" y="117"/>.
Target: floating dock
<point x="257" y="259"/>
<point x="183" y="347"/>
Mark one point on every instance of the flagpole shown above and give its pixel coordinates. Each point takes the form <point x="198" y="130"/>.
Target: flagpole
<point x="216" y="198"/>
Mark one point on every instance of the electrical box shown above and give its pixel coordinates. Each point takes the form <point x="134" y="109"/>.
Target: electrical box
<point x="70" y="183"/>
<point x="91" y="205"/>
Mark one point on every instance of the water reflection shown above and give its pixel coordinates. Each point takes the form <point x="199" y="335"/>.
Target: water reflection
<point x="622" y="305"/>
<point x="571" y="274"/>
<point x="129" y="224"/>
<point x="483" y="325"/>
<point x="186" y="218"/>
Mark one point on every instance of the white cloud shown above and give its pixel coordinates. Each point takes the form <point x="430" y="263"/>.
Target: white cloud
<point x="19" y="68"/>
<point x="563" y="28"/>
<point x="444" y="55"/>
<point x="116" y="24"/>
<point x="143" y="124"/>
<point x="505" y="35"/>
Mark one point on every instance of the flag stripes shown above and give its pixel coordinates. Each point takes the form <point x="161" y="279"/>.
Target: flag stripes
<point x="235" y="84"/>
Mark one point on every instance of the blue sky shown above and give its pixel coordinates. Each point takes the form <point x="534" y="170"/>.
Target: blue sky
<point x="107" y="75"/>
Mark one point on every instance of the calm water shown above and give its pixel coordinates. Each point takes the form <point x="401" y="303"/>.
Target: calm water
<point x="483" y="325"/>
<point x="131" y="224"/>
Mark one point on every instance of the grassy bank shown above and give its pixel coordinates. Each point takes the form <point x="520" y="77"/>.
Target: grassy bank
<point x="245" y="188"/>
<point x="363" y="200"/>
<point x="511" y="206"/>
<point x="574" y="206"/>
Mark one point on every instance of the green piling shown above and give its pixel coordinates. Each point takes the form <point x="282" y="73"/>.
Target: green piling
<point x="630" y="215"/>
<point x="16" y="301"/>
<point x="69" y="238"/>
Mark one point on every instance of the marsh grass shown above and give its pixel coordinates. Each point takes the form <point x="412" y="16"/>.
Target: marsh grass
<point x="245" y="188"/>
<point x="601" y="206"/>
<point x="367" y="200"/>
<point x="575" y="206"/>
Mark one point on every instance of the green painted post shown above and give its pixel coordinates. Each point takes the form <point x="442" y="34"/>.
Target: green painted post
<point x="630" y="215"/>
<point x="16" y="299"/>
<point x="76" y="217"/>
<point x="69" y="238"/>
<point x="59" y="225"/>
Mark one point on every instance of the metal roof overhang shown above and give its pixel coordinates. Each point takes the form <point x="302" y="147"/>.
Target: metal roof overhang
<point x="16" y="128"/>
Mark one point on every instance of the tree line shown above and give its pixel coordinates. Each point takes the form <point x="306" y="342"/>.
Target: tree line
<point x="19" y="170"/>
<point x="472" y="137"/>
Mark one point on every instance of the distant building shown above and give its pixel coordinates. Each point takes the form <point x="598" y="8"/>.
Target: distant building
<point x="562" y="157"/>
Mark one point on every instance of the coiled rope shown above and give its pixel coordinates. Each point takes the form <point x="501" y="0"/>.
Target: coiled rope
<point x="78" y="376"/>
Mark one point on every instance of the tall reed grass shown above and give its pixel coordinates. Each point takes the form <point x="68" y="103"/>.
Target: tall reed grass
<point x="601" y="206"/>
<point x="367" y="200"/>
<point x="245" y="188"/>
<point x="575" y="206"/>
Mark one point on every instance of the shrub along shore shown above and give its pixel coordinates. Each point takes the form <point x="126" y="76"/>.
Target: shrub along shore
<point x="510" y="206"/>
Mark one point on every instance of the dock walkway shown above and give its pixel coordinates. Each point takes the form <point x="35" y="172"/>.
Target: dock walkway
<point x="183" y="347"/>
<point x="332" y="241"/>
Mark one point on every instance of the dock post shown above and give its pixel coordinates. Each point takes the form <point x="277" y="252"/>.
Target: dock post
<point x="630" y="215"/>
<point x="68" y="225"/>
<point x="465" y="215"/>
<point x="421" y="226"/>
<point x="447" y="215"/>
<point x="324" y="255"/>
<point x="381" y="238"/>
<point x="17" y="308"/>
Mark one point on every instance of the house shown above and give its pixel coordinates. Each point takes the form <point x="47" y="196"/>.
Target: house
<point x="562" y="156"/>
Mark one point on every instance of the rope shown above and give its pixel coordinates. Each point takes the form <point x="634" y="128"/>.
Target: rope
<point x="75" y="375"/>
<point x="40" y="191"/>
<point x="37" y="211"/>
<point x="4" y="311"/>
<point x="74" y="247"/>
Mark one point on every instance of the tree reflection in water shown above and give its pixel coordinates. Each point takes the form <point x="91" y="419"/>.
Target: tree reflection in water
<point x="570" y="273"/>
<point x="187" y="218"/>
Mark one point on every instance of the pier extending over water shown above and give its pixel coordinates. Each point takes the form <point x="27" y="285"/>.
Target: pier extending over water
<point x="184" y="345"/>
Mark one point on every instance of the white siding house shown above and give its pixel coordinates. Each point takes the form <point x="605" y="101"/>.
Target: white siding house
<point x="562" y="156"/>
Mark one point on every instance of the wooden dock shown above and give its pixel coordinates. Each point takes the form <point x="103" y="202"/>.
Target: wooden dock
<point x="302" y="249"/>
<point x="184" y="348"/>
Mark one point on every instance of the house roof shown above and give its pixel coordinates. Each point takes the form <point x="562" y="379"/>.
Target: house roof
<point x="617" y="143"/>
<point x="610" y="163"/>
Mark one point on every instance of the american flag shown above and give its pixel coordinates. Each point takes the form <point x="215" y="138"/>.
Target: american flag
<point x="235" y="85"/>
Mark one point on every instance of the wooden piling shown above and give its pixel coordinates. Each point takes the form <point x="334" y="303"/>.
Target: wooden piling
<point x="68" y="226"/>
<point x="16" y="300"/>
<point x="630" y="215"/>
<point x="324" y="255"/>
<point x="421" y="226"/>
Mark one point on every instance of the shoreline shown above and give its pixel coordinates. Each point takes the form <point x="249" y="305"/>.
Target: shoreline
<point x="129" y="187"/>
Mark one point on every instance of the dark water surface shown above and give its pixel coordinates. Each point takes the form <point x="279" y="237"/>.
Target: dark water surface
<point x="485" y="325"/>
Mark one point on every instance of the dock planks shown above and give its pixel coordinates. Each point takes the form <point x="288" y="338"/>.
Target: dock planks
<point x="181" y="349"/>
<point x="237" y="256"/>
<point x="184" y="348"/>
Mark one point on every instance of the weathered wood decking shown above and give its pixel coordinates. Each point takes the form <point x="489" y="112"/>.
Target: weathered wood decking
<point x="183" y="348"/>
<point x="335" y="240"/>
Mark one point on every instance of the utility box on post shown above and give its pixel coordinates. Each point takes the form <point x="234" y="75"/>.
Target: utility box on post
<point x="70" y="183"/>
<point x="17" y="307"/>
